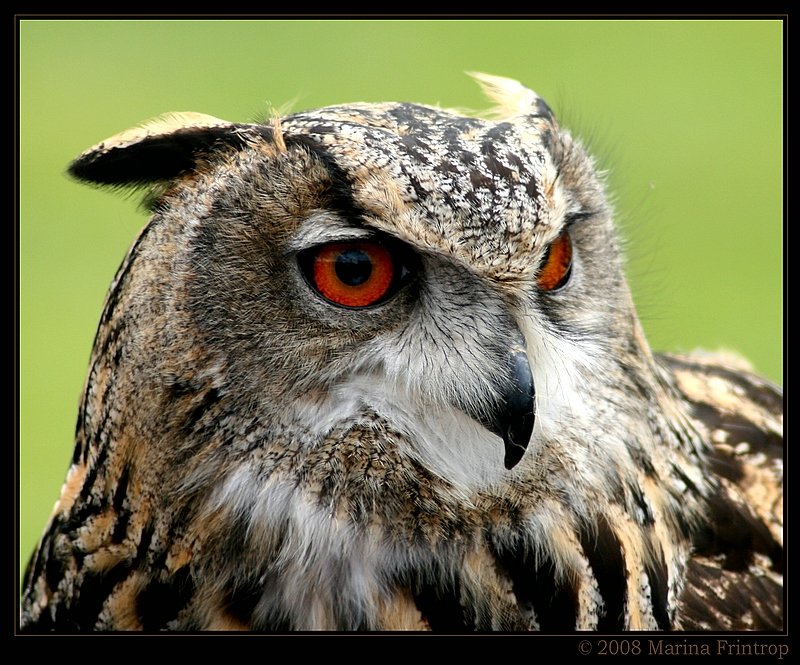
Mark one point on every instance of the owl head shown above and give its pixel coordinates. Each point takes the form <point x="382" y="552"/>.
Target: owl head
<point x="459" y="276"/>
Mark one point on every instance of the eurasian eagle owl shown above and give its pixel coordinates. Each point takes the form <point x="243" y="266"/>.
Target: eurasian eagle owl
<point x="376" y="367"/>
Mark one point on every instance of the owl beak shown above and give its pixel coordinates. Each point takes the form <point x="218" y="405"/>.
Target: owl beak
<point x="513" y="418"/>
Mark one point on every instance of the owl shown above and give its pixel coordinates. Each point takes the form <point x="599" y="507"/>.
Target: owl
<point x="377" y="367"/>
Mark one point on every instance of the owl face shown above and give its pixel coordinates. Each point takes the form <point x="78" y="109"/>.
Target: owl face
<point x="393" y="258"/>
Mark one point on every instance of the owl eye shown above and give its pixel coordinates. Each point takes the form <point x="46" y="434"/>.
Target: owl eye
<point x="354" y="274"/>
<point x="557" y="264"/>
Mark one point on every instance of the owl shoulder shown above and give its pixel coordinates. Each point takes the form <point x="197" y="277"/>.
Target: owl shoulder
<point x="734" y="576"/>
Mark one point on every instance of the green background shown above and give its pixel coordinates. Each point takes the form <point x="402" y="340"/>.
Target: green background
<point x="686" y="115"/>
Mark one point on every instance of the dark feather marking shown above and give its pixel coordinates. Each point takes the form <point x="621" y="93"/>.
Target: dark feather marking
<point x="658" y="577"/>
<point x="93" y="468"/>
<point x="161" y="601"/>
<point x="717" y="599"/>
<point x="533" y="579"/>
<point x="208" y="400"/>
<point x="77" y="451"/>
<point x="117" y="357"/>
<point x="640" y="501"/>
<point x="739" y="430"/>
<point x="55" y="567"/>
<point x="242" y="598"/>
<point x="79" y="514"/>
<point x="44" y="623"/>
<point x="83" y="442"/>
<point x="144" y="543"/>
<point x="542" y="109"/>
<point x="415" y="147"/>
<point x="118" y="503"/>
<point x="679" y="473"/>
<point x="41" y="558"/>
<point x="116" y="328"/>
<point x="726" y="466"/>
<point x="61" y="619"/>
<point x="735" y="532"/>
<point x="532" y="188"/>
<point x="418" y="119"/>
<point x="604" y="551"/>
<point x="340" y="192"/>
<point x="179" y="386"/>
<point x="244" y="591"/>
<point x="437" y="596"/>
<point x="497" y="167"/>
<point x="763" y="393"/>
<point x="35" y="565"/>
<point x="480" y="181"/>
<point x="440" y="606"/>
<point x="93" y="592"/>
<point x="641" y="459"/>
<point x="699" y="600"/>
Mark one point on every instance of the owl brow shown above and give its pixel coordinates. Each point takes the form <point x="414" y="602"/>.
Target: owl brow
<point x="325" y="228"/>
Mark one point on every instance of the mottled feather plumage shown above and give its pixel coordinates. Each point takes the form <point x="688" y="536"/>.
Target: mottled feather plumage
<point x="250" y="457"/>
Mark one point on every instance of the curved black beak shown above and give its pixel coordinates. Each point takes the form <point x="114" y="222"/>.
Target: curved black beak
<point x="513" y="417"/>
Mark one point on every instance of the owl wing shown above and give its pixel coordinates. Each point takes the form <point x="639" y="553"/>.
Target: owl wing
<point x="734" y="579"/>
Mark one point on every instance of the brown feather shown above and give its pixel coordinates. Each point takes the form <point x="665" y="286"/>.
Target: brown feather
<point x="735" y="576"/>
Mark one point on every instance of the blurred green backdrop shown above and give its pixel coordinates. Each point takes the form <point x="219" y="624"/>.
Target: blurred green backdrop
<point x="686" y="116"/>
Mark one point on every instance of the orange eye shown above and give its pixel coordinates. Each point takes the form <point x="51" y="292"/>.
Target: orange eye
<point x="352" y="274"/>
<point x="557" y="264"/>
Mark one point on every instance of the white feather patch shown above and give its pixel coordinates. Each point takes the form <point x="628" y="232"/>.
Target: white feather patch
<point x="512" y="98"/>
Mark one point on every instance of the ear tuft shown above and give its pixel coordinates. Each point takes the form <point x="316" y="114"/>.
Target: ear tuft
<point x="511" y="97"/>
<point x="159" y="149"/>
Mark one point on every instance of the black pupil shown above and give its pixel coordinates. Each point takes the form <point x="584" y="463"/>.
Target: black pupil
<point x="353" y="267"/>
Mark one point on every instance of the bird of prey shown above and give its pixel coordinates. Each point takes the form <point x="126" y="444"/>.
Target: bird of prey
<point x="377" y="367"/>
